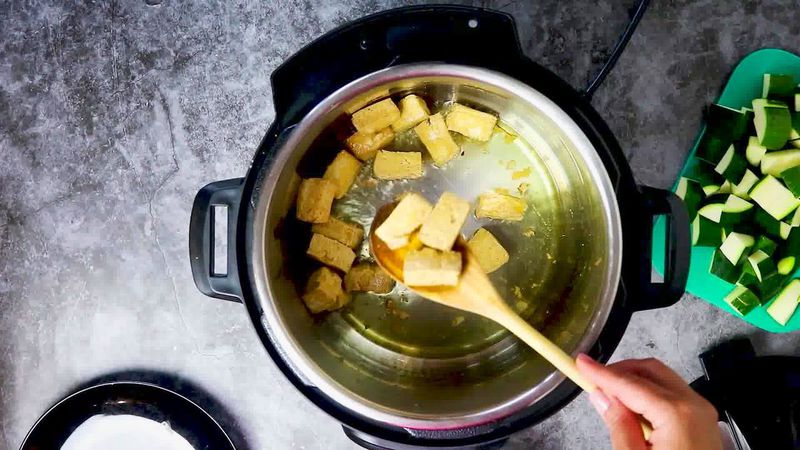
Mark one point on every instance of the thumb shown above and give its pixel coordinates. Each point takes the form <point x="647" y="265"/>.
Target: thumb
<point x="622" y="423"/>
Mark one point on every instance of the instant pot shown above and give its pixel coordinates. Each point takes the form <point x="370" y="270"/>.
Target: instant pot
<point x="392" y="382"/>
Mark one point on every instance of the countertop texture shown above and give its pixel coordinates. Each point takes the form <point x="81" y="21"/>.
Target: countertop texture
<point x="113" y="114"/>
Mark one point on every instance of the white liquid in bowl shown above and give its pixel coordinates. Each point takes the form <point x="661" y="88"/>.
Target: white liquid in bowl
<point x="124" y="432"/>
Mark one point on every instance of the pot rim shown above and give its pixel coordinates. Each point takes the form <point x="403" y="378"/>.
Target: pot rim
<point x="306" y="369"/>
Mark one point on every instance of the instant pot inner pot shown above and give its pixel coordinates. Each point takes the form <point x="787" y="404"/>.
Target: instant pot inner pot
<point x="409" y="357"/>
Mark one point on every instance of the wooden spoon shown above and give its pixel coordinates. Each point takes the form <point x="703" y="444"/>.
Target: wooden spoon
<point x="476" y="294"/>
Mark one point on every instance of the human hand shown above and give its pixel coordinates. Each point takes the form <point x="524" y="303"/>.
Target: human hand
<point x="681" y="418"/>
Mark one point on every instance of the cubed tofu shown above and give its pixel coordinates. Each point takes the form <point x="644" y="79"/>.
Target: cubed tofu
<point x="342" y="171"/>
<point x="429" y="267"/>
<point x="501" y="206"/>
<point x="443" y="224"/>
<point x="376" y="116"/>
<point x="324" y="291"/>
<point x="349" y="234"/>
<point x="366" y="145"/>
<point x="314" y="199"/>
<point x="470" y="122"/>
<point x="397" y="165"/>
<point x="406" y="217"/>
<point x="434" y="135"/>
<point x="487" y="250"/>
<point x="330" y="252"/>
<point x="413" y="110"/>
<point x="368" y="277"/>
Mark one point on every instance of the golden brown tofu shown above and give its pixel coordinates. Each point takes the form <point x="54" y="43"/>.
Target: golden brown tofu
<point x="349" y="234"/>
<point x="368" y="277"/>
<point x="324" y="291"/>
<point x="470" y="122"/>
<point x="487" y="250"/>
<point x="314" y="200"/>
<point x="376" y="116"/>
<point x="330" y="252"/>
<point x="406" y="217"/>
<point x="429" y="267"/>
<point x="366" y="145"/>
<point x="500" y="206"/>
<point x="413" y="110"/>
<point x="342" y="171"/>
<point x="397" y="165"/>
<point x="443" y="224"/>
<point x="434" y="134"/>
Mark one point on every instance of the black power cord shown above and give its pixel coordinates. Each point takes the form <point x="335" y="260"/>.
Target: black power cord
<point x="640" y="8"/>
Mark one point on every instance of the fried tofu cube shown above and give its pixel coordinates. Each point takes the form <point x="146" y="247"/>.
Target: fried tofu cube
<point x="330" y="252"/>
<point x="487" y="250"/>
<point x="397" y="165"/>
<point x="324" y="291"/>
<point x="343" y="171"/>
<point x="429" y="267"/>
<point x="413" y="110"/>
<point x="366" y="145"/>
<point x="376" y="116"/>
<point x="471" y="123"/>
<point x="500" y="206"/>
<point x="314" y="200"/>
<point x="349" y="234"/>
<point x="443" y="224"/>
<point x="437" y="139"/>
<point x="406" y="217"/>
<point x="368" y="277"/>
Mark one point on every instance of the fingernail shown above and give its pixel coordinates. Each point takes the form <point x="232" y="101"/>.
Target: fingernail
<point x="583" y="357"/>
<point x="599" y="401"/>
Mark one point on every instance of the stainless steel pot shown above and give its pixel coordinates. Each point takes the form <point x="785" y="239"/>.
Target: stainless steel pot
<point x="398" y="370"/>
<point x="409" y="365"/>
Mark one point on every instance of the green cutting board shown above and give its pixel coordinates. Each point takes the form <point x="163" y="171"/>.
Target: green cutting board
<point x="743" y="86"/>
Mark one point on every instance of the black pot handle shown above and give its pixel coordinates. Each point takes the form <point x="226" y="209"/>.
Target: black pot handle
<point x="677" y="253"/>
<point x="201" y="239"/>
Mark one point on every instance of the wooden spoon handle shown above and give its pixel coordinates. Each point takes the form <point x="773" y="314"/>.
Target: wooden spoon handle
<point x="553" y="353"/>
<point x="545" y="347"/>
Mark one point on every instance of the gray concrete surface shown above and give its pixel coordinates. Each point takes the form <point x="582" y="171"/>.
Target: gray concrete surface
<point x="113" y="114"/>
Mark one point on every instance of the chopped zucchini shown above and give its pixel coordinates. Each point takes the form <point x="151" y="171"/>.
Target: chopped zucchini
<point x="722" y="268"/>
<point x="735" y="211"/>
<point x="784" y="305"/>
<point x="726" y="123"/>
<point x="731" y="166"/>
<point x="712" y="211"/>
<point x="761" y="265"/>
<point x="711" y="147"/>
<point x="703" y="173"/>
<point x="768" y="224"/>
<point x="774" y="198"/>
<point x="736" y="204"/>
<point x="691" y="193"/>
<point x="743" y="187"/>
<point x="754" y="151"/>
<point x="797" y="101"/>
<point x="765" y="245"/>
<point x="734" y="246"/>
<point x="773" y="163"/>
<point x="792" y="246"/>
<point x="773" y="122"/>
<point x="769" y="287"/>
<point x="786" y="265"/>
<point x="791" y="178"/>
<point x="748" y="278"/>
<point x="742" y="300"/>
<point x="795" y="222"/>
<point x="784" y="230"/>
<point x="777" y="85"/>
<point x="706" y="233"/>
<point x="794" y="134"/>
